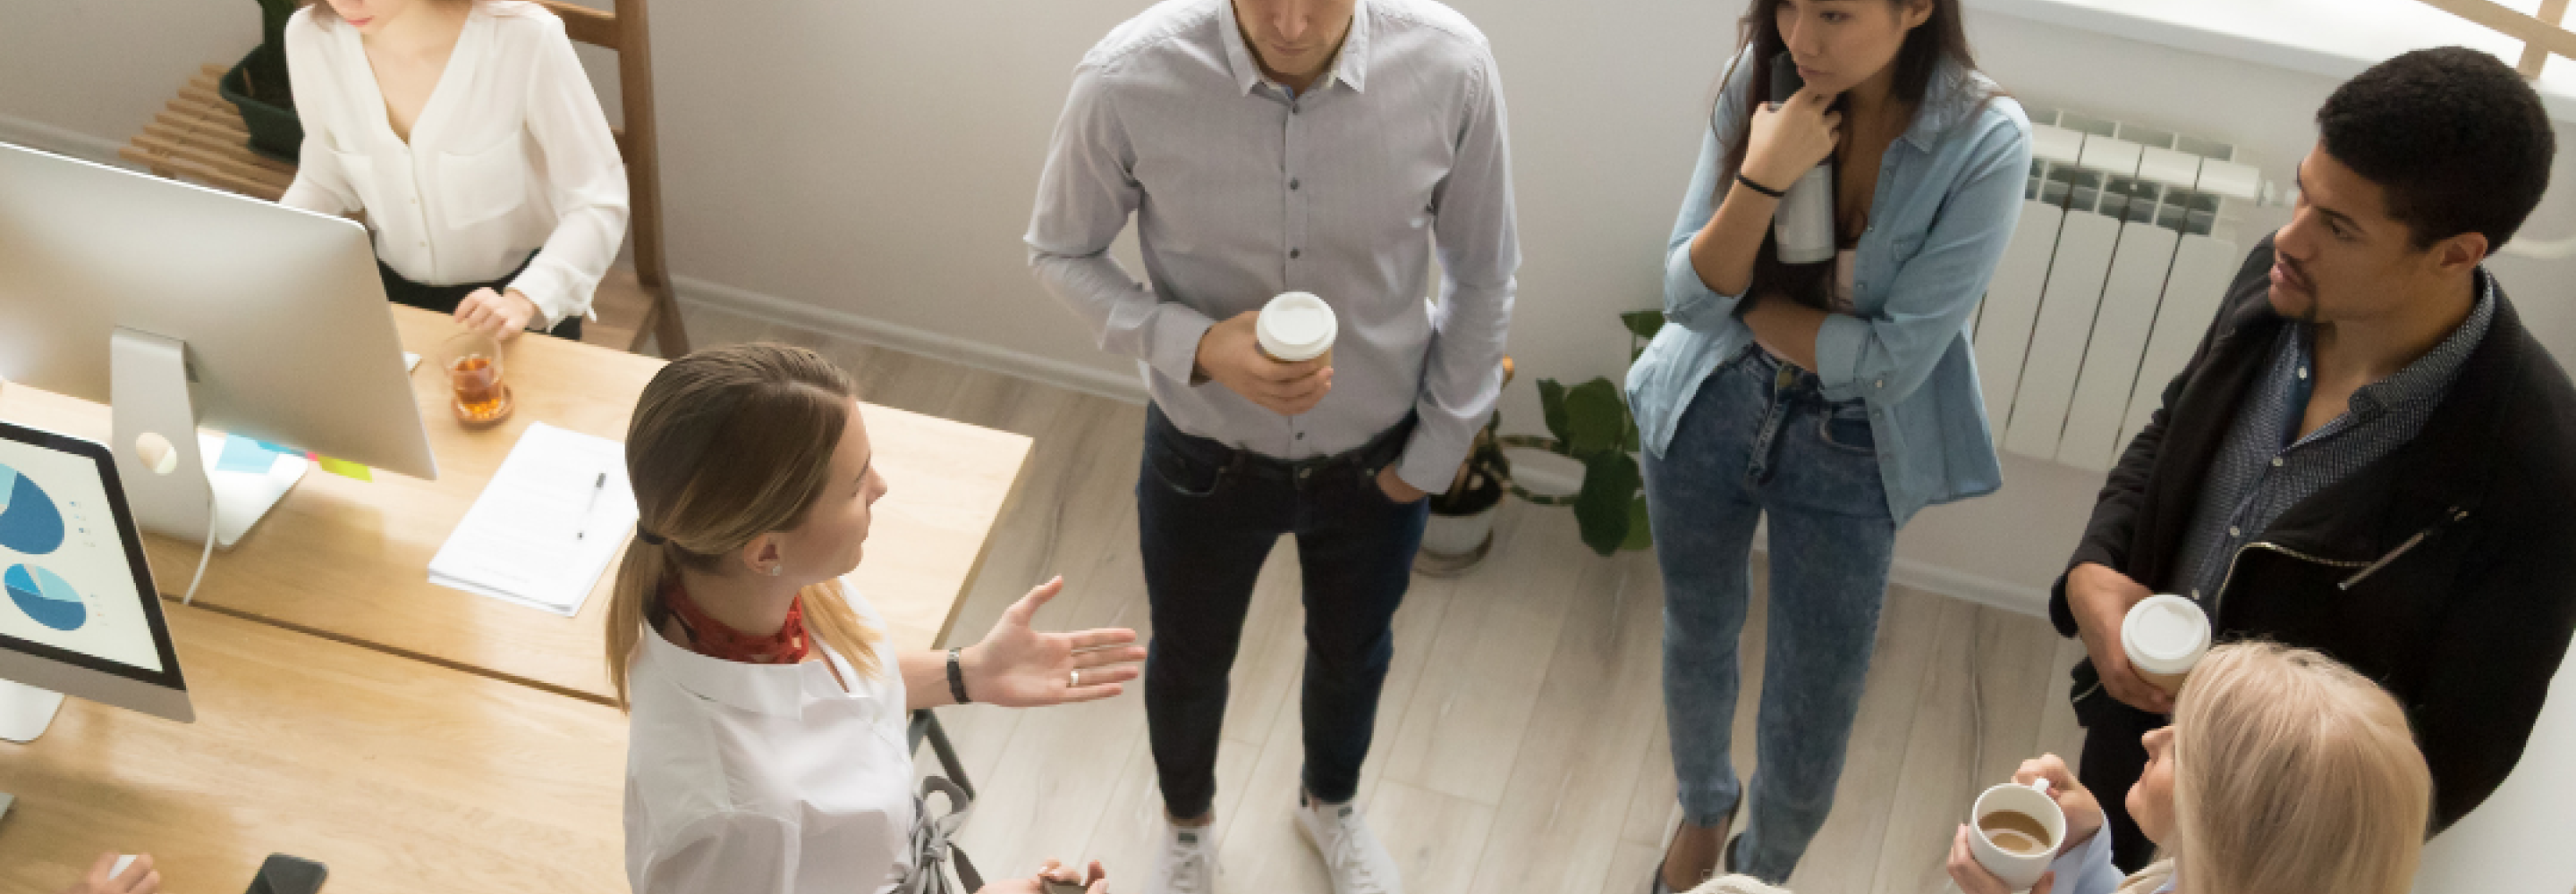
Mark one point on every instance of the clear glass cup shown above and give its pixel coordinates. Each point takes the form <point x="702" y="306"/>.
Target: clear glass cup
<point x="473" y="364"/>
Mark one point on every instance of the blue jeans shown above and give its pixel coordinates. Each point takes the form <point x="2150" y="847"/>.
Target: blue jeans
<point x="1208" y="515"/>
<point x="1759" y="440"/>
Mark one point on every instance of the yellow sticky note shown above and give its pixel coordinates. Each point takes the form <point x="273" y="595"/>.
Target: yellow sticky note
<point x="348" y="469"/>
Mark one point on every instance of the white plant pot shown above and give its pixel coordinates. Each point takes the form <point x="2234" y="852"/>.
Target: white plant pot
<point x="1451" y="544"/>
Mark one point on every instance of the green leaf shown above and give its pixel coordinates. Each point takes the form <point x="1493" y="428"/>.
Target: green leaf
<point x="1643" y="323"/>
<point x="1641" y="534"/>
<point x="1602" y="510"/>
<point x="1551" y="408"/>
<point x="1596" y="418"/>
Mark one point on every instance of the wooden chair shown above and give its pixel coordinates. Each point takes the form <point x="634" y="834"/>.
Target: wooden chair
<point x="200" y="136"/>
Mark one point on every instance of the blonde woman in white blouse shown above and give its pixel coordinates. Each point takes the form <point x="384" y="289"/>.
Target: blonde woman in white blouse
<point x="468" y="133"/>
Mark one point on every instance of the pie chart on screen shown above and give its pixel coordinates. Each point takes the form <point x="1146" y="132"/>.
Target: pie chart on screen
<point x="29" y="521"/>
<point x="45" y="597"/>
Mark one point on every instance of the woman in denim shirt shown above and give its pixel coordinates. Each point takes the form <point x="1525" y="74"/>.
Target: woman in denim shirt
<point x="1836" y="398"/>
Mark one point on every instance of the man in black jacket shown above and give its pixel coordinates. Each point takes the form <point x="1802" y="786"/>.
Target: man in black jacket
<point x="2368" y="455"/>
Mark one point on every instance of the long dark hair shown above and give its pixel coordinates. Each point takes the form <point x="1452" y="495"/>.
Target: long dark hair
<point x="1942" y="36"/>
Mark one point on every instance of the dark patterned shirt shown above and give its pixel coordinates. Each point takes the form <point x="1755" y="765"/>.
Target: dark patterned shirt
<point x="2264" y="467"/>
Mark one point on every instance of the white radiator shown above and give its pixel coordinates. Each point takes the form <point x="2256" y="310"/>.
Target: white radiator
<point x="2126" y="239"/>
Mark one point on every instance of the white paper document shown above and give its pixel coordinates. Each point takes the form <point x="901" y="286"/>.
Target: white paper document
<point x="546" y="525"/>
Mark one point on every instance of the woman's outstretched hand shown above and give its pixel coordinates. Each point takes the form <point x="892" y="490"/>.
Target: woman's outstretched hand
<point x="1018" y="666"/>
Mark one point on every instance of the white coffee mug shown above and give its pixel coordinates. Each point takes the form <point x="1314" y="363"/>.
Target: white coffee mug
<point x="2018" y="863"/>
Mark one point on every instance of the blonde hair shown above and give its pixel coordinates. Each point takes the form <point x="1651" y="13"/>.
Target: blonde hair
<point x="728" y="444"/>
<point x="2293" y="775"/>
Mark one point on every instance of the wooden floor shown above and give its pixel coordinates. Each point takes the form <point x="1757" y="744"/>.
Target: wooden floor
<point x="1520" y="742"/>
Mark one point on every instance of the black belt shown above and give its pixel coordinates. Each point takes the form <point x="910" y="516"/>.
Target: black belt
<point x="1381" y="449"/>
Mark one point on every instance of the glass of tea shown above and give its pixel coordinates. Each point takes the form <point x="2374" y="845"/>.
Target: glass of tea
<point x="473" y="362"/>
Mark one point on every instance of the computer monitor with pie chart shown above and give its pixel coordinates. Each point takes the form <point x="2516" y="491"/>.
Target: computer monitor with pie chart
<point x="81" y="616"/>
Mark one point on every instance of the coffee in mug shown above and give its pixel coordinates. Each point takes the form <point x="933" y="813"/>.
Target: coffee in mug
<point x="2165" y="636"/>
<point x="1295" y="327"/>
<point x="2015" y="832"/>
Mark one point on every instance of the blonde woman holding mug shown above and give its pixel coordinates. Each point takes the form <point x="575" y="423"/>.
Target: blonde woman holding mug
<point x="468" y="133"/>
<point x="767" y="712"/>
<point x="2284" y="772"/>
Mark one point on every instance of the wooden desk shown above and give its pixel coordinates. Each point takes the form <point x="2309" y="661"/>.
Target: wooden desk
<point x="349" y="560"/>
<point x="401" y="776"/>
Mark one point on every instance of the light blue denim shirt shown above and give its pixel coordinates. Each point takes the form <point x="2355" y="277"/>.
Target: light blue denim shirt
<point x="1949" y="193"/>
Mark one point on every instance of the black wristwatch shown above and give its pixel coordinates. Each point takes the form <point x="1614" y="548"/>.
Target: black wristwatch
<point x="957" y="679"/>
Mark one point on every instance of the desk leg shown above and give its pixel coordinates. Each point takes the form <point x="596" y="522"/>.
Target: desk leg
<point x="926" y="725"/>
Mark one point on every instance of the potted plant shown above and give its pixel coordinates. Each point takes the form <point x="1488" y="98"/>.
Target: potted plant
<point x="1590" y="424"/>
<point x="258" y="86"/>
<point x="1461" y="529"/>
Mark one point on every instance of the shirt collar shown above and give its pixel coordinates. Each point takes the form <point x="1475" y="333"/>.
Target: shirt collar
<point x="1350" y="63"/>
<point x="779" y="690"/>
<point x="1954" y="93"/>
<point x="2426" y="379"/>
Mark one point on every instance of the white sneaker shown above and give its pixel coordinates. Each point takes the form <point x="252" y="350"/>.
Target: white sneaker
<point x="1187" y="864"/>
<point x="1352" y="855"/>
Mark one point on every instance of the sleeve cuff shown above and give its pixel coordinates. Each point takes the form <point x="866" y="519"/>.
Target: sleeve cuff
<point x="1430" y="461"/>
<point x="1688" y="300"/>
<point x="1177" y="331"/>
<point x="554" y="303"/>
<point x="2073" y="864"/>
<point x="1840" y="343"/>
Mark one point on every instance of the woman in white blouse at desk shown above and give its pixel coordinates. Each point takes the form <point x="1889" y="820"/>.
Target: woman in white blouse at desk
<point x="767" y="713"/>
<point x="468" y="133"/>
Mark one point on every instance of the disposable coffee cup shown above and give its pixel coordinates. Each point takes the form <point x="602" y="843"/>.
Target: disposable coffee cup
<point x="2165" y="636"/>
<point x="2015" y="832"/>
<point x="1296" y="327"/>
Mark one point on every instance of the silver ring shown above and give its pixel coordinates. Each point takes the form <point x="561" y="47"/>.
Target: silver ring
<point x="1077" y="679"/>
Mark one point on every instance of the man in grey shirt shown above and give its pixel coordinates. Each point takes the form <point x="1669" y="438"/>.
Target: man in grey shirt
<point x="1267" y="146"/>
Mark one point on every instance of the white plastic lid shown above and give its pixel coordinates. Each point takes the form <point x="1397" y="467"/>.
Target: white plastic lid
<point x="1296" y="326"/>
<point x="2165" y="634"/>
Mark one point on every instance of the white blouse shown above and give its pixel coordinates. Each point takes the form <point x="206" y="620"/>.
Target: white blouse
<point x="766" y="778"/>
<point x="511" y="153"/>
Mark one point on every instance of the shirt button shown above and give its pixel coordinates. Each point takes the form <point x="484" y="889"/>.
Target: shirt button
<point x="2303" y="372"/>
<point x="2195" y="594"/>
<point x="1882" y="383"/>
<point x="2276" y="462"/>
<point x="1292" y="183"/>
<point x="2233" y="532"/>
<point x="1295" y="253"/>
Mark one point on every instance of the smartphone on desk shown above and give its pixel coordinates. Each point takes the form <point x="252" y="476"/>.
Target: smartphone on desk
<point x="284" y="874"/>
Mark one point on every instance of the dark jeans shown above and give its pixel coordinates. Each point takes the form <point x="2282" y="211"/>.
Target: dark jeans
<point x="444" y="299"/>
<point x="1208" y="515"/>
<point x="2114" y="758"/>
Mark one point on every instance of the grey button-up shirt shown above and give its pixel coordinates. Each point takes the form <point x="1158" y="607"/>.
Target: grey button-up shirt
<point x="1242" y="191"/>
<point x="2264" y="467"/>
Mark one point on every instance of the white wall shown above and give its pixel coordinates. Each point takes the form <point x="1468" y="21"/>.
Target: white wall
<point x="868" y="165"/>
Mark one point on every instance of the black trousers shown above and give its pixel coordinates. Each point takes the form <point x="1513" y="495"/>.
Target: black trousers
<point x="2113" y="760"/>
<point x="444" y="299"/>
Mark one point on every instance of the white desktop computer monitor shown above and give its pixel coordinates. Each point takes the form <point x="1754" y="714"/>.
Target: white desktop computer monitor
<point x="80" y="615"/>
<point x="180" y="305"/>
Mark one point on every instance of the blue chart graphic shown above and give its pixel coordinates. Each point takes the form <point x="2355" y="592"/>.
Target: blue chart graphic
<point x="46" y="597"/>
<point x="29" y="523"/>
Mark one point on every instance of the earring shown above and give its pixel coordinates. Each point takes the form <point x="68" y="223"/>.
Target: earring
<point x="774" y="568"/>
